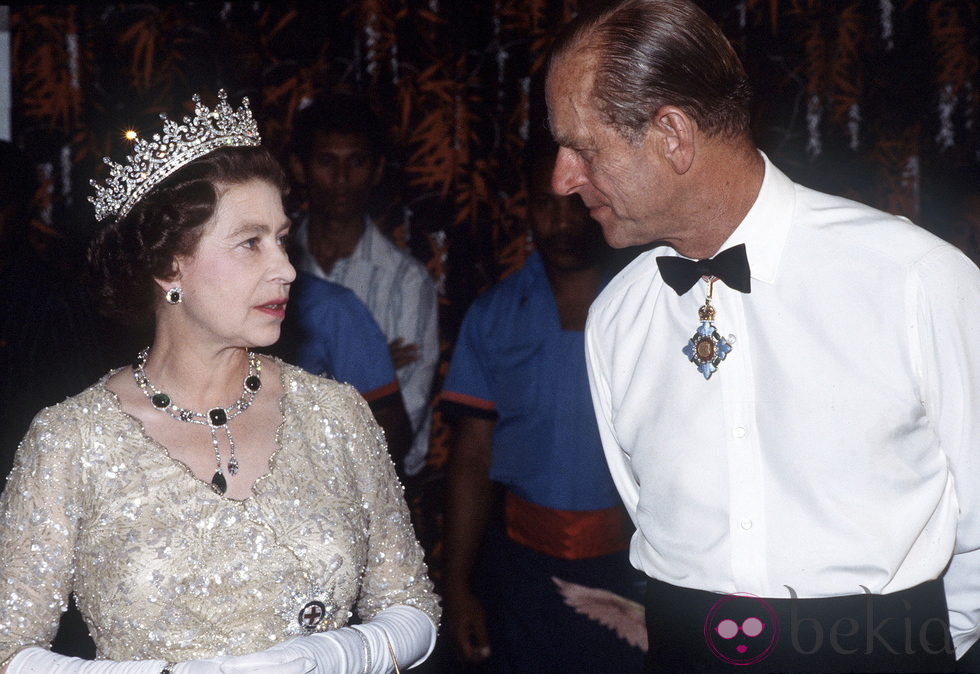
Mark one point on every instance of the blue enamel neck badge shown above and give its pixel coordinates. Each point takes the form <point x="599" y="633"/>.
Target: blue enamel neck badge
<point x="706" y="349"/>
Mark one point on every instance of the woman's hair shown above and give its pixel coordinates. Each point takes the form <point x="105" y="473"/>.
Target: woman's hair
<point x="651" y="53"/>
<point x="128" y="254"/>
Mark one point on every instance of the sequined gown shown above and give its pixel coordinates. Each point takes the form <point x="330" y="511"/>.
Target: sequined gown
<point x="165" y="568"/>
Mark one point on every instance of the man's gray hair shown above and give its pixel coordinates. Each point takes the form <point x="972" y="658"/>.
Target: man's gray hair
<point x="652" y="53"/>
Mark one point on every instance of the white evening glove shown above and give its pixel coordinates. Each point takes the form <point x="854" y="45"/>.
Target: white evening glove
<point x="361" y="649"/>
<point x="42" y="661"/>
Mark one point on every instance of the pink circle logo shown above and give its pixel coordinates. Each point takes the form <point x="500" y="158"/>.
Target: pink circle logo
<point x="741" y="632"/>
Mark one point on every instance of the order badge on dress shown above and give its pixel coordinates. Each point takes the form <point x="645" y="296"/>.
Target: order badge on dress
<point x="309" y="610"/>
<point x="312" y="614"/>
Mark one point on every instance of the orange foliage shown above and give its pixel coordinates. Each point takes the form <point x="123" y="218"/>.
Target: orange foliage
<point x="845" y="66"/>
<point x="41" y="62"/>
<point x="432" y="162"/>
<point x="775" y="7"/>
<point x="377" y="23"/>
<point x="958" y="59"/>
<point x="815" y="47"/>
<point x="143" y="36"/>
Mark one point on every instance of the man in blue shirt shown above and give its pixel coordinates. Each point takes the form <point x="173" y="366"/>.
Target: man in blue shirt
<point x="519" y="390"/>
<point x="328" y="331"/>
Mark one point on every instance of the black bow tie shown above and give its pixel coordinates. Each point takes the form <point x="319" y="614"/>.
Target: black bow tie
<point x="731" y="266"/>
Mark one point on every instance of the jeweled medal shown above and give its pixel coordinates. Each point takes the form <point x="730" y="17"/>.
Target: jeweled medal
<point x="706" y="349"/>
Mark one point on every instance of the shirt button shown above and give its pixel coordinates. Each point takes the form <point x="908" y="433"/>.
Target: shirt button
<point x="746" y="524"/>
<point x="738" y="432"/>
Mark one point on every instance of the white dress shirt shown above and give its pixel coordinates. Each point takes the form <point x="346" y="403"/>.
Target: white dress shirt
<point x="401" y="297"/>
<point x="838" y="444"/>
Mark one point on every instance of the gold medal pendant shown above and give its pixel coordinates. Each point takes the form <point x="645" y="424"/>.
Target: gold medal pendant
<point x="706" y="349"/>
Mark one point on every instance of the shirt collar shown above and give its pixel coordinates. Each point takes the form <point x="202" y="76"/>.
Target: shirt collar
<point x="362" y="251"/>
<point x="367" y="242"/>
<point x="765" y="227"/>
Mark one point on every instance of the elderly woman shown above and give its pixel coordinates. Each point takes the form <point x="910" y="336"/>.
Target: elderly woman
<point x="213" y="510"/>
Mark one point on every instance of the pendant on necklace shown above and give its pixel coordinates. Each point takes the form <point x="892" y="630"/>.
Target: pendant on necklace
<point x="214" y="418"/>
<point x="219" y="483"/>
<point x="217" y="416"/>
<point x="706" y="349"/>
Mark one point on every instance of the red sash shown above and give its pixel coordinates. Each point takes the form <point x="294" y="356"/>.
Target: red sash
<point x="567" y="534"/>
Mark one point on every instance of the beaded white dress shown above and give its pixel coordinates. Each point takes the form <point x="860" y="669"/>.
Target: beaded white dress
<point x="165" y="568"/>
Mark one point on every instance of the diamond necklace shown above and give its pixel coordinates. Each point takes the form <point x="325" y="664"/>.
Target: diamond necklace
<point x="214" y="418"/>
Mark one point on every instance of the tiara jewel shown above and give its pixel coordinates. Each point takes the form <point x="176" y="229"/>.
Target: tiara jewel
<point x="180" y="144"/>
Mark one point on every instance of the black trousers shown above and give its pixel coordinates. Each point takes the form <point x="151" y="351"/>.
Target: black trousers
<point x="696" y="631"/>
<point x="532" y="629"/>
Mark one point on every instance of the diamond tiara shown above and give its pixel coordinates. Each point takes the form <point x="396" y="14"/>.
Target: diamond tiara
<point x="180" y="144"/>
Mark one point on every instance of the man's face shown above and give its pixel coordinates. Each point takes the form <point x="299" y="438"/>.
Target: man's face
<point x="340" y="173"/>
<point x="564" y="234"/>
<point x="626" y="186"/>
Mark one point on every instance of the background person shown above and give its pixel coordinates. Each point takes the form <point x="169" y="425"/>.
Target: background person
<point x="809" y="420"/>
<point x="329" y="332"/>
<point x="518" y="389"/>
<point x="338" y="156"/>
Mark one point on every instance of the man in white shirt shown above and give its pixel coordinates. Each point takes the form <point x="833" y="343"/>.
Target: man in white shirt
<point x="795" y="420"/>
<point x="338" y="155"/>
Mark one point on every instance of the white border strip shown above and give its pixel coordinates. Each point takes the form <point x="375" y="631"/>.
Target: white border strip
<point x="5" y="84"/>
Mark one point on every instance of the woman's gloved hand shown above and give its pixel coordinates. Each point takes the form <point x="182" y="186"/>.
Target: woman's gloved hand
<point x="42" y="661"/>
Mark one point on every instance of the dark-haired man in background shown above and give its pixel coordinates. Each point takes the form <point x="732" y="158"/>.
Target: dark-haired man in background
<point x="329" y="332"/>
<point x="787" y="389"/>
<point x="338" y="155"/>
<point x="518" y="391"/>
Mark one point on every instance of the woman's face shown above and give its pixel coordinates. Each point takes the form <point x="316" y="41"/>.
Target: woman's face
<point x="236" y="283"/>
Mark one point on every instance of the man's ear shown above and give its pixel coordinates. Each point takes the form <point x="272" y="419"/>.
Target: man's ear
<point x="299" y="171"/>
<point x="379" y="170"/>
<point x="677" y="132"/>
